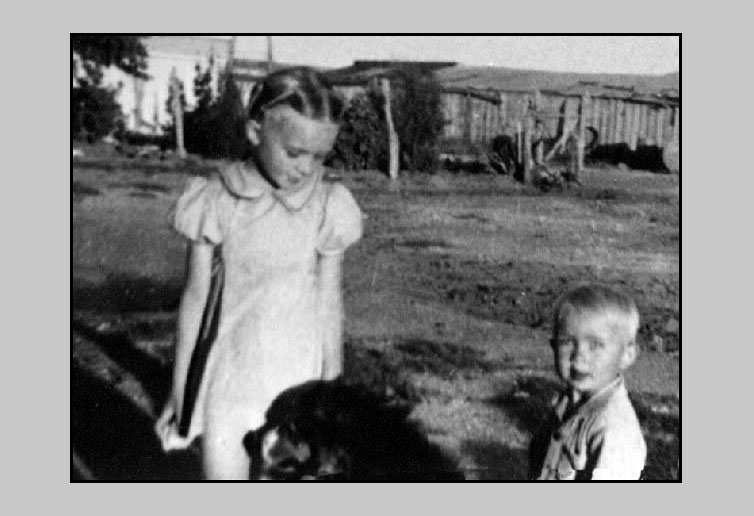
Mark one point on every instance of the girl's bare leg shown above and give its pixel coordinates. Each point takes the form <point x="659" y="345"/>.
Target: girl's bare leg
<point x="223" y="454"/>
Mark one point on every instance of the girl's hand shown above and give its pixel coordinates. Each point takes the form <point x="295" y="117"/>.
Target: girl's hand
<point x="166" y="429"/>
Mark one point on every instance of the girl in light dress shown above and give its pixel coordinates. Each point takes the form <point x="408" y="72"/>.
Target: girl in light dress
<point x="274" y="318"/>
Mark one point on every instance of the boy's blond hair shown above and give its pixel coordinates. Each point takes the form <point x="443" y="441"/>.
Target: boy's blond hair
<point x="596" y="298"/>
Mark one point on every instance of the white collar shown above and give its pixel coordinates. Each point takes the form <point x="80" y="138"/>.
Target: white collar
<point x="246" y="182"/>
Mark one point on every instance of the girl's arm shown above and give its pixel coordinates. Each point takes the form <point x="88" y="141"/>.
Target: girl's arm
<point x="198" y="277"/>
<point x="331" y="312"/>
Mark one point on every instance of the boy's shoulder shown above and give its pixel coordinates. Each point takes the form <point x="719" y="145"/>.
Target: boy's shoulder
<point x="616" y="414"/>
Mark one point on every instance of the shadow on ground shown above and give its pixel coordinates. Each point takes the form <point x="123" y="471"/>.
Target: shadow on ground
<point x="153" y="376"/>
<point x="495" y="461"/>
<point x="115" y="440"/>
<point x="660" y="422"/>
<point x="125" y="293"/>
<point x="112" y="435"/>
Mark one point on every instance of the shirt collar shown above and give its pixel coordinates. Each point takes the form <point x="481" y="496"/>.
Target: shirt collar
<point x="247" y="182"/>
<point x="592" y="404"/>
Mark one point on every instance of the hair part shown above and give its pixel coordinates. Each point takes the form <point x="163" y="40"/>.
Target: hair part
<point x="595" y="299"/>
<point x="303" y="89"/>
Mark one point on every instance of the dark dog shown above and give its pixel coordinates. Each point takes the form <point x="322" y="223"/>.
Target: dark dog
<point x="333" y="431"/>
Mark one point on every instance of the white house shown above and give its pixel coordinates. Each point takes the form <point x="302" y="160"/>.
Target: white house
<point x="144" y="102"/>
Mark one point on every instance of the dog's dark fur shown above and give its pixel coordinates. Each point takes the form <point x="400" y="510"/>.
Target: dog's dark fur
<point x="334" y="431"/>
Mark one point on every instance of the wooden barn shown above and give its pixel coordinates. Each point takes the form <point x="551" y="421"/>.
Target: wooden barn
<point x="481" y="102"/>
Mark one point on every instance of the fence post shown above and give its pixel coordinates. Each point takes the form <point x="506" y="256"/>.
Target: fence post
<point x="392" y="136"/>
<point x="596" y="115"/>
<point x="527" y="148"/>
<point x="635" y="126"/>
<point x="619" y="114"/>
<point x="177" y="113"/>
<point x="612" y="125"/>
<point x="627" y="122"/>
<point x="644" y="126"/>
<point x="538" y="131"/>
<point x="660" y="127"/>
<point x="503" y="119"/>
<point x="582" y="136"/>
<point x="676" y="125"/>
<point x="603" y="120"/>
<point x="469" y="118"/>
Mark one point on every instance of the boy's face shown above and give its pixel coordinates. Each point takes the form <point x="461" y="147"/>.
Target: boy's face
<point x="291" y="147"/>
<point x="592" y="349"/>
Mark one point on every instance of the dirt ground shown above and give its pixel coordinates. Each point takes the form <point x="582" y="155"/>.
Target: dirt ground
<point x="447" y="307"/>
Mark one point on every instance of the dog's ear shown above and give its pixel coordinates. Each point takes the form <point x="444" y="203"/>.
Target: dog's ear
<point x="251" y="443"/>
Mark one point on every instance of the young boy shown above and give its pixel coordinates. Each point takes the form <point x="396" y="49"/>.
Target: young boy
<point x="595" y="434"/>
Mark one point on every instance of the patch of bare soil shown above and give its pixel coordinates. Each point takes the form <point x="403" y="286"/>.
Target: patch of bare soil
<point x="523" y="293"/>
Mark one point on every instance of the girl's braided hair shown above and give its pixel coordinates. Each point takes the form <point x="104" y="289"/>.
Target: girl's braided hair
<point x="301" y="88"/>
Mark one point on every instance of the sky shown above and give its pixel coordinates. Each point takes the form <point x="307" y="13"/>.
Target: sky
<point x="589" y="54"/>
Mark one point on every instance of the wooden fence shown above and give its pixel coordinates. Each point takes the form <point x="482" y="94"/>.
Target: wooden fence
<point x="475" y="118"/>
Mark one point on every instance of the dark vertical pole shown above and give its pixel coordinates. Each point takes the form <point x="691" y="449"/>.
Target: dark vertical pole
<point x="177" y="113"/>
<point x="582" y="135"/>
<point x="269" y="54"/>
<point x="393" y="144"/>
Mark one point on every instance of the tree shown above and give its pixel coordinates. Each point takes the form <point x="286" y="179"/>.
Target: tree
<point x="100" y="51"/>
<point x="362" y="139"/>
<point x="230" y="122"/>
<point x="416" y="110"/>
<point x="203" y="87"/>
<point x="419" y="120"/>
<point x="216" y="126"/>
<point x="94" y="110"/>
<point x="198" y="123"/>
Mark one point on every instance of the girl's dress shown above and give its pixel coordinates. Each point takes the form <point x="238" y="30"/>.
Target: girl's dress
<point x="269" y="336"/>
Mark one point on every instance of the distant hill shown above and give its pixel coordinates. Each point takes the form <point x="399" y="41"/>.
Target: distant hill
<point x="483" y="77"/>
<point x="506" y="79"/>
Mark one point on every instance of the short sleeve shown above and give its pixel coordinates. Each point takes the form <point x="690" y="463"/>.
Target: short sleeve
<point x="342" y="223"/>
<point x="195" y="215"/>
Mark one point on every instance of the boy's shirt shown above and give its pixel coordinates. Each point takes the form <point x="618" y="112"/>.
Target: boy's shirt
<point x="602" y="440"/>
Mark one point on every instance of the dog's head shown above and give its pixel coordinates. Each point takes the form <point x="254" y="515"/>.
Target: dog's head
<point x="304" y="436"/>
<point x="333" y="431"/>
<point x="283" y="453"/>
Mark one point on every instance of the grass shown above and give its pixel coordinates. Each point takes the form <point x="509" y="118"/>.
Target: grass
<point x="80" y="190"/>
<point x="447" y="302"/>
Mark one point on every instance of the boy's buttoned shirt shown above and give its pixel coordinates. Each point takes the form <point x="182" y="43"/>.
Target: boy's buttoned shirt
<point x="601" y="440"/>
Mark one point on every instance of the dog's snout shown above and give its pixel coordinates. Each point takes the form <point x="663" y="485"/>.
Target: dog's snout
<point x="279" y="451"/>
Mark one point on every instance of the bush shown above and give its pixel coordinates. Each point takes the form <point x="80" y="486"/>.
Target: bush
<point x="418" y="118"/>
<point x="216" y="127"/>
<point x="94" y="112"/>
<point x="417" y="115"/>
<point x="362" y="140"/>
